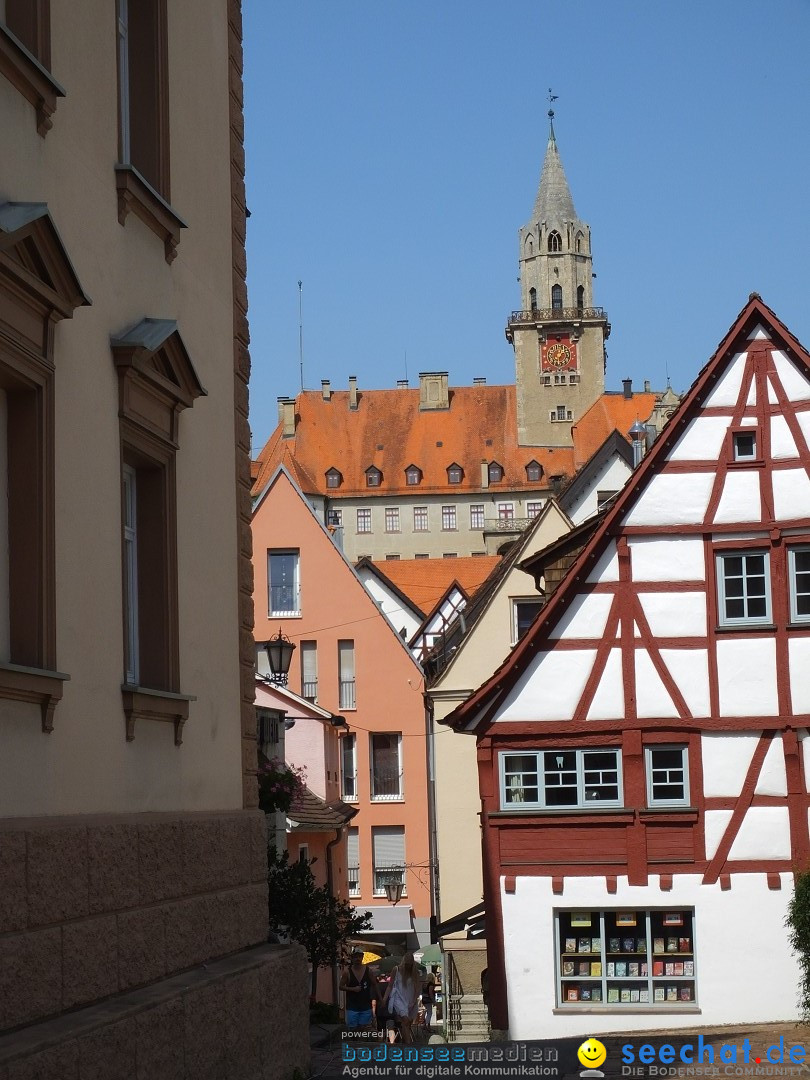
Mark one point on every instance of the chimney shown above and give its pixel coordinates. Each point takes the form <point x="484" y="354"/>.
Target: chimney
<point x="326" y="390"/>
<point x="402" y="384"/>
<point x="352" y="391"/>
<point x="646" y="386"/>
<point x="480" y="380"/>
<point x="286" y="416"/>
<point x="433" y="390"/>
<point x="484" y="473"/>
<point x="627" y="384"/>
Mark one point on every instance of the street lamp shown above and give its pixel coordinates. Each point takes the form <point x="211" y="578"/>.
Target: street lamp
<point x="279" y="651"/>
<point x="394" y="886"/>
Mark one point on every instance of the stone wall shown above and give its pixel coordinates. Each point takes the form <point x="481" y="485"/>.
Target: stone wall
<point x="244" y="1018"/>
<point x="96" y="906"/>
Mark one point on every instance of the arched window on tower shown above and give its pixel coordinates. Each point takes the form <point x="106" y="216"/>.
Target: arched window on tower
<point x="554" y="241"/>
<point x="529" y="246"/>
<point x="580" y="297"/>
<point x="533" y="299"/>
<point x="579" y="242"/>
<point x="556" y="297"/>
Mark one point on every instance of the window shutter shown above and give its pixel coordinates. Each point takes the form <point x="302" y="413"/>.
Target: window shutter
<point x="346" y="660"/>
<point x="389" y="846"/>
<point x="309" y="661"/>
<point x="353" y="847"/>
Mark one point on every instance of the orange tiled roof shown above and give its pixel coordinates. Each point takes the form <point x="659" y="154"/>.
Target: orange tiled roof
<point x="612" y="411"/>
<point x="425" y="581"/>
<point x="389" y="431"/>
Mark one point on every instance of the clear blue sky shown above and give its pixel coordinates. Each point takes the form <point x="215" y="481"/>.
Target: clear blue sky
<point x="394" y="150"/>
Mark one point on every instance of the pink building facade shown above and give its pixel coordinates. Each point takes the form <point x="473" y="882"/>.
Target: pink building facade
<point x="350" y="661"/>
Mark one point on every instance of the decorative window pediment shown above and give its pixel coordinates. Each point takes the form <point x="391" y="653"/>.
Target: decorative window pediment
<point x="157" y="379"/>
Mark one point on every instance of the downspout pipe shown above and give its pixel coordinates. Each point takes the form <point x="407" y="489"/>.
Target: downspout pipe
<point x="330" y="882"/>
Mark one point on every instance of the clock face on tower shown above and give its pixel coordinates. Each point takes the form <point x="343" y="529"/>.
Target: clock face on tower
<point x="559" y="354"/>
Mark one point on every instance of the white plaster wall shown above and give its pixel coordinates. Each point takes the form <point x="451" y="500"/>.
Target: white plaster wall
<point x="728" y="386"/>
<point x="304" y="746"/>
<point x="690" y="670"/>
<point x="783" y="445"/>
<point x="730" y="959"/>
<point x="763" y="834"/>
<point x="773" y="775"/>
<point x="702" y="440"/>
<point x="804" y="424"/>
<point x="804" y="742"/>
<point x="799" y="660"/>
<point x="652" y="697"/>
<point x="726" y="757"/>
<point x="740" y="500"/>
<point x="680" y="559"/>
<point x="586" y="617"/>
<point x="795" y="385"/>
<point x="550" y="688"/>
<point x="674" y="499"/>
<point x="397" y="614"/>
<point x="608" y="701"/>
<point x="675" y="614"/>
<point x="746" y="675"/>
<point x="611" y="477"/>
<point x="607" y="565"/>
<point x="752" y="395"/>
<point x="772" y="398"/>
<point x="715" y="825"/>
<point x="791" y="494"/>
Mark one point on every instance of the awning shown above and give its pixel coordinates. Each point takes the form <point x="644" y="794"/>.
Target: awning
<point x="387" y="919"/>
<point x="431" y="954"/>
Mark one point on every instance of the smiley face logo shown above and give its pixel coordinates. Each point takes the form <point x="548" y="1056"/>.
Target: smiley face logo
<point x="592" y="1054"/>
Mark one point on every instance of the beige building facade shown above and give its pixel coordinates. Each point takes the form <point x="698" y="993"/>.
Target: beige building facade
<point x="130" y="846"/>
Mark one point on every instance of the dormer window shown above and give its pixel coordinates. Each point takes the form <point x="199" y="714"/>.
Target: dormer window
<point x="495" y="472"/>
<point x="534" y="472"/>
<point x="554" y="241"/>
<point x="413" y="475"/>
<point x="334" y="478"/>
<point x="373" y="476"/>
<point x="455" y="474"/>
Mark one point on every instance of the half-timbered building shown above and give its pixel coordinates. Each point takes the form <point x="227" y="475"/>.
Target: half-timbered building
<point x="643" y="753"/>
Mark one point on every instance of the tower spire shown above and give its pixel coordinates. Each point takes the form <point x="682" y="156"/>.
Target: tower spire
<point x="554" y="203"/>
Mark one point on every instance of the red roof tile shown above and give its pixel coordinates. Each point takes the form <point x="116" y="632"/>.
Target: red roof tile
<point x="611" y="412"/>
<point x="426" y="581"/>
<point x="388" y="430"/>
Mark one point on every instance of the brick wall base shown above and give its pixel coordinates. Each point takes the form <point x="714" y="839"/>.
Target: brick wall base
<point x="242" y="1018"/>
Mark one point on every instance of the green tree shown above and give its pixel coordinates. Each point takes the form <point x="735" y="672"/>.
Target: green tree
<point x="309" y="913"/>
<point x="798" y="923"/>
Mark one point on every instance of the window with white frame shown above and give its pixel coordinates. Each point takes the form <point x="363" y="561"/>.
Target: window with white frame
<point x="745" y="445"/>
<point x="353" y="860"/>
<point x="334" y="517"/>
<point x="448" y="518"/>
<point x="455" y="474"/>
<point x="420" y="519"/>
<point x="388" y="853"/>
<point x="413" y="475"/>
<point x="346" y="683"/>
<point x="334" y="478"/>
<point x="283" y="583"/>
<point x="523" y="615"/>
<point x="392" y="519"/>
<point x="554" y="779"/>
<point x="309" y="670"/>
<point x="506" y="511"/>
<point x="348" y="767"/>
<point x="373" y="476"/>
<point x="799" y="573"/>
<point x="364" y="520"/>
<point x="495" y="473"/>
<point x="385" y="759"/>
<point x="477" y="516"/>
<point x="667" y="775"/>
<point x="744" y="588"/>
<point x="533" y="509"/>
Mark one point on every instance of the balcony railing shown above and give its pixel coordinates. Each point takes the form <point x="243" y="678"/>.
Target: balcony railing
<point x="309" y="689"/>
<point x="284" y="600"/>
<point x="383" y="877"/>
<point x="385" y="785"/>
<point x="353" y="879"/>
<point x="550" y="314"/>
<point x="349" y="787"/>
<point x="507" y="525"/>
<point x="348" y="699"/>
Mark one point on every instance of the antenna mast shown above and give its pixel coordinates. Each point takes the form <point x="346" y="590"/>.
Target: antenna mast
<point x="301" y="333"/>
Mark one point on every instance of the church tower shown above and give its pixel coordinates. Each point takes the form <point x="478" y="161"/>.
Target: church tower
<point x="558" y="336"/>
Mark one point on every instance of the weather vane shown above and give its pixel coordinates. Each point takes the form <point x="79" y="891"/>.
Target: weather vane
<point x="552" y="97"/>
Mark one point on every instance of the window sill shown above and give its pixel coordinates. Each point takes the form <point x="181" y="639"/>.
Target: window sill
<point x="648" y="1010"/>
<point x="349" y="798"/>
<point x="387" y="798"/>
<point x="33" y="81"/>
<point x="137" y="195"/>
<point x="748" y="627"/>
<point x="283" y="614"/>
<point x="43" y="688"/>
<point x="143" y="703"/>
<point x="568" y="811"/>
<point x="682" y="813"/>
